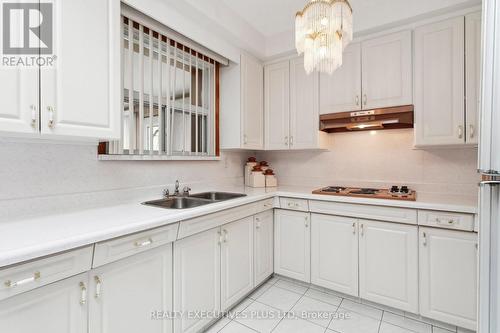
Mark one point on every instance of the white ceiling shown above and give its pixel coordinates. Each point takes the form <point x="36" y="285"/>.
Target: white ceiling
<point x="271" y="22"/>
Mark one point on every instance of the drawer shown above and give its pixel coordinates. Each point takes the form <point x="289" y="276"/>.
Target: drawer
<point x="294" y="204"/>
<point x="33" y="274"/>
<point x="207" y="222"/>
<point x="380" y="213"/>
<point x="447" y="220"/>
<point x="119" y="248"/>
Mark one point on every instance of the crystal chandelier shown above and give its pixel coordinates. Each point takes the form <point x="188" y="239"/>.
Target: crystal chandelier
<point x="322" y="31"/>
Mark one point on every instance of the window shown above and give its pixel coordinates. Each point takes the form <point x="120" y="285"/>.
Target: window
<point x="170" y="97"/>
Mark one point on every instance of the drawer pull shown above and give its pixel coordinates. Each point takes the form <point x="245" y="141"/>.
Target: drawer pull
<point x="147" y="242"/>
<point x="98" y="284"/>
<point x="83" y="297"/>
<point x="12" y="284"/>
<point x="440" y="221"/>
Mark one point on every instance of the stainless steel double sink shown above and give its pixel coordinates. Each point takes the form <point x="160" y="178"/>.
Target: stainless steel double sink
<point x="193" y="200"/>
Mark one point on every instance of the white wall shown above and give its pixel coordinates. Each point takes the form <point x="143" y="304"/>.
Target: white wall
<point x="381" y="159"/>
<point x="39" y="179"/>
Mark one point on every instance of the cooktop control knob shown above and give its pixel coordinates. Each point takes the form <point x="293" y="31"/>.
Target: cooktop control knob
<point x="394" y="189"/>
<point x="404" y="189"/>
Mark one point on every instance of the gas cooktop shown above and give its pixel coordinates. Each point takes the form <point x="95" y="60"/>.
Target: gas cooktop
<point x="395" y="193"/>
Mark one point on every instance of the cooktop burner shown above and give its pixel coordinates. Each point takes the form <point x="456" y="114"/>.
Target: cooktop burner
<point x="366" y="191"/>
<point x="394" y="193"/>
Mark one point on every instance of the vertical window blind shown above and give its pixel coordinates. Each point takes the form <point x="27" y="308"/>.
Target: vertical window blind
<point x="170" y="96"/>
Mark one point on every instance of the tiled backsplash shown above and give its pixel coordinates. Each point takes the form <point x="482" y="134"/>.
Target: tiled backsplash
<point x="379" y="159"/>
<point x="39" y="179"/>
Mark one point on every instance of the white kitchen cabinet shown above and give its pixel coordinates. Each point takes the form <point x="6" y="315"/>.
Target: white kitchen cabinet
<point x="292" y="107"/>
<point x="439" y="83"/>
<point x="242" y="104"/>
<point x="236" y="261"/>
<point x="388" y="264"/>
<point x="448" y="276"/>
<point x="304" y="108"/>
<point x="81" y="93"/>
<point x="19" y="103"/>
<point x="292" y="245"/>
<point x="341" y="91"/>
<point x="387" y="71"/>
<point x="277" y="105"/>
<point x="56" y="308"/>
<point x="263" y="246"/>
<point x="124" y="294"/>
<point x="196" y="278"/>
<point x="252" y="103"/>
<point x="472" y="76"/>
<point x="334" y="253"/>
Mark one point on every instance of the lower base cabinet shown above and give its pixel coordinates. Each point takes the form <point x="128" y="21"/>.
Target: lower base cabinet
<point x="334" y="253"/>
<point x="196" y="279"/>
<point x="292" y="244"/>
<point x="124" y="295"/>
<point x="56" y="308"/>
<point x="448" y="276"/>
<point x="388" y="264"/>
<point x="263" y="246"/>
<point x="236" y="261"/>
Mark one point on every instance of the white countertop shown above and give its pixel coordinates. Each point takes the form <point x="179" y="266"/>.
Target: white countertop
<point x="36" y="237"/>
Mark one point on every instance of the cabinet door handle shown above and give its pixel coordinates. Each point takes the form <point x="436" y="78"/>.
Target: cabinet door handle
<point x="365" y="99"/>
<point x="291" y="141"/>
<point x="245" y="141"/>
<point x="225" y="236"/>
<point x="472" y="131"/>
<point x="460" y="131"/>
<point x="362" y="227"/>
<point x="12" y="284"/>
<point x="306" y="222"/>
<point x="220" y="237"/>
<point x="257" y="226"/>
<point x="143" y="243"/>
<point x="51" y="111"/>
<point x="34" y="116"/>
<point x="98" y="284"/>
<point x="286" y="140"/>
<point x="354" y="228"/>
<point x="424" y="239"/>
<point x="83" y="296"/>
<point x="357" y="99"/>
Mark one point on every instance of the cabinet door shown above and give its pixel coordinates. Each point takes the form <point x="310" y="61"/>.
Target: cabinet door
<point x="388" y="264"/>
<point x="124" y="294"/>
<point x="292" y="245"/>
<point x="341" y="91"/>
<point x="439" y="83"/>
<point x="448" y="276"/>
<point x="236" y="261"/>
<point x="387" y="71"/>
<point x="19" y="100"/>
<point x="56" y="308"/>
<point x="472" y="75"/>
<point x="304" y="107"/>
<point x="196" y="278"/>
<point x="263" y="246"/>
<point x="81" y="92"/>
<point x="277" y="105"/>
<point x="334" y="253"/>
<point x="252" y="91"/>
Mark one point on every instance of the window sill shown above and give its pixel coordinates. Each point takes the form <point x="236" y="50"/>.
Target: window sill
<point x="156" y="158"/>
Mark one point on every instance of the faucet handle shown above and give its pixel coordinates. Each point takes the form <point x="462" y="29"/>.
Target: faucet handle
<point x="186" y="190"/>
<point x="166" y="192"/>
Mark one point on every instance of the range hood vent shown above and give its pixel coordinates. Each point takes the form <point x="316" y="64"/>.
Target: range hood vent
<point x="376" y="119"/>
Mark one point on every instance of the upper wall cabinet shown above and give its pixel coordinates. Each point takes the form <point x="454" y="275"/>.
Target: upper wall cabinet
<point x="441" y="50"/>
<point x="292" y="107"/>
<point x="241" y="103"/>
<point x="387" y="71"/>
<point x="341" y="91"/>
<point x="375" y="73"/>
<point x="80" y="93"/>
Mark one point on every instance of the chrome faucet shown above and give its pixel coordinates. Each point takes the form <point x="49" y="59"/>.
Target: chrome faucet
<point x="176" y="192"/>
<point x="185" y="191"/>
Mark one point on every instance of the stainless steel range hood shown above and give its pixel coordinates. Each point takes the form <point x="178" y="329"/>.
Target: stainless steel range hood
<point x="376" y="119"/>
